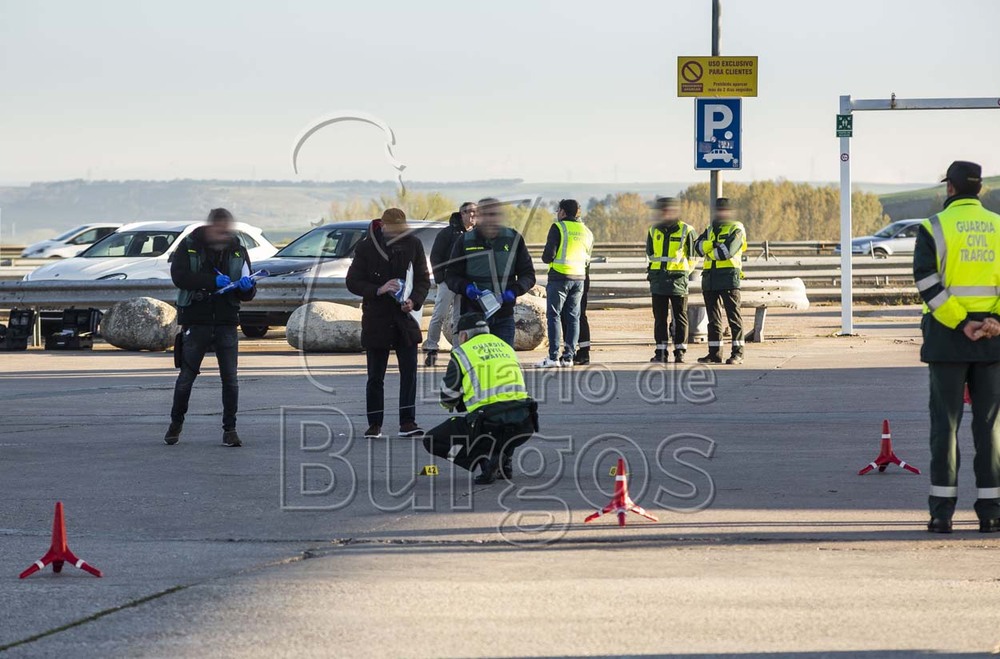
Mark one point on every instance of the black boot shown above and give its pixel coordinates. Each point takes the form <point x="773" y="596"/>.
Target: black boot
<point x="490" y="472"/>
<point x="679" y="356"/>
<point x="173" y="433"/>
<point x="939" y="525"/>
<point x="431" y="358"/>
<point x="735" y="359"/>
<point x="582" y="358"/>
<point x="989" y="525"/>
<point x="231" y="438"/>
<point x="507" y="466"/>
<point x="710" y="358"/>
<point x="659" y="357"/>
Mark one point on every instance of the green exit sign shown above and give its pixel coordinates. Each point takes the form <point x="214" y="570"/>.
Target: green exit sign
<point x="845" y="125"/>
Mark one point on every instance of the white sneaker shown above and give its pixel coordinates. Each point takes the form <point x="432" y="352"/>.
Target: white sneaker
<point x="547" y="363"/>
<point x="566" y="363"/>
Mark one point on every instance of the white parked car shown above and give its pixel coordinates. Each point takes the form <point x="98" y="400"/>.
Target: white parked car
<point x="142" y="251"/>
<point x="70" y="243"/>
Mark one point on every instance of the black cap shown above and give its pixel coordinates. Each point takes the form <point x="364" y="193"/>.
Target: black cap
<point x="472" y="320"/>
<point x="663" y="203"/>
<point x="962" y="172"/>
<point x="722" y="204"/>
<point x="570" y="207"/>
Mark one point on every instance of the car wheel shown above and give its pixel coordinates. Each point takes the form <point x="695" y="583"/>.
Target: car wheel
<point x="255" y="331"/>
<point x="880" y="253"/>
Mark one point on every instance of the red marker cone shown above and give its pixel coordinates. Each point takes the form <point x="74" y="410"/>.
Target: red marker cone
<point x="59" y="552"/>
<point x="886" y="455"/>
<point x="621" y="503"/>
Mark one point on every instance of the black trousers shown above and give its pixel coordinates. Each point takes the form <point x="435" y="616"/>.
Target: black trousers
<point x="198" y="339"/>
<point x="583" y="342"/>
<point x="457" y="440"/>
<point x="378" y="362"/>
<point x="661" y="325"/>
<point x="948" y="380"/>
<point x="715" y="301"/>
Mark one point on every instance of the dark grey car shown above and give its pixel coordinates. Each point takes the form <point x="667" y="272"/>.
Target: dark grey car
<point x="326" y="251"/>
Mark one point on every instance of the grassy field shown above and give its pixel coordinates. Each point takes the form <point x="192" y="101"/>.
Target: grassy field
<point x="925" y="201"/>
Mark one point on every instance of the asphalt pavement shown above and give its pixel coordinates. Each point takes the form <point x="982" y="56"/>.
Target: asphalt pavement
<point x="311" y="541"/>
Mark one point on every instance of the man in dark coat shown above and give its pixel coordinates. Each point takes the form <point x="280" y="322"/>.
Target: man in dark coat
<point x="446" y="304"/>
<point x="208" y="260"/>
<point x="385" y="262"/>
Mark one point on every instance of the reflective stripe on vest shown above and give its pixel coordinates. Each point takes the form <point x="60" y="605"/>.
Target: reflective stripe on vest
<point x="489" y="267"/>
<point x="717" y="255"/>
<point x="490" y="372"/>
<point x="675" y="258"/>
<point x="575" y="244"/>
<point x="966" y="239"/>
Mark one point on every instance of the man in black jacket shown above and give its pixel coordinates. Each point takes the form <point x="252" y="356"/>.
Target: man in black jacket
<point x="492" y="259"/>
<point x="445" y="304"/>
<point x="206" y="261"/>
<point x="383" y="262"/>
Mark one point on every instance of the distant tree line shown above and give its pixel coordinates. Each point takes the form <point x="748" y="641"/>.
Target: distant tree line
<point x="770" y="210"/>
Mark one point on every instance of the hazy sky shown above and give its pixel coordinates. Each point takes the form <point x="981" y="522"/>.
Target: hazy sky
<point x="546" y="91"/>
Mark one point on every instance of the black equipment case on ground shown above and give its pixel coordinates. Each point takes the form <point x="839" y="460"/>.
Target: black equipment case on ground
<point x="78" y="329"/>
<point x="17" y="333"/>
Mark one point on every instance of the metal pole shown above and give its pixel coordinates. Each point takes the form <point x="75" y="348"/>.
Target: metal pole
<point x="846" y="273"/>
<point x="715" y="176"/>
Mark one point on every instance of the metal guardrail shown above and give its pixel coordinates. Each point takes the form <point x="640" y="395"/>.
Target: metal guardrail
<point x="288" y="293"/>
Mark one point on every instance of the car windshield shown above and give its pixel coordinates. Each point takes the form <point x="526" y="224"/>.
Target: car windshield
<point x="323" y="243"/>
<point x="72" y="232"/>
<point x="888" y="232"/>
<point x="132" y="243"/>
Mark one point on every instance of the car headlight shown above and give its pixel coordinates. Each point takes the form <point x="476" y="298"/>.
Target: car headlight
<point x="116" y="276"/>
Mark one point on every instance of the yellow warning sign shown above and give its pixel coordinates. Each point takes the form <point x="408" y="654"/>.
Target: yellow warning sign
<point x="717" y="77"/>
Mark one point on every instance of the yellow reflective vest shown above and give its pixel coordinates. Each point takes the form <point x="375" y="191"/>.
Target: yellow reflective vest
<point x="670" y="255"/>
<point x="575" y="245"/>
<point x="490" y="370"/>
<point x="967" y="241"/>
<point x="717" y="255"/>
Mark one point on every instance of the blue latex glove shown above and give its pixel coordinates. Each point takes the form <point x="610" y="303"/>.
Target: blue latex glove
<point x="244" y="284"/>
<point x="472" y="292"/>
<point x="509" y="296"/>
<point x="222" y="280"/>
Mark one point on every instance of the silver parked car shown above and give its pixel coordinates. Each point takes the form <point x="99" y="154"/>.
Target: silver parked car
<point x="897" y="238"/>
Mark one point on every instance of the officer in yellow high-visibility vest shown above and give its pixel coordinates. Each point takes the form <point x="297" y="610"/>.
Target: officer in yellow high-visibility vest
<point x="484" y="379"/>
<point x="956" y="265"/>
<point x="567" y="251"/>
<point x="722" y="244"/>
<point x="669" y="250"/>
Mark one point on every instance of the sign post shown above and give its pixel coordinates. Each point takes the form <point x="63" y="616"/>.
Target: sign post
<point x="718" y="128"/>
<point x="846" y="265"/>
<point x="718" y="77"/>
<point x="847" y="108"/>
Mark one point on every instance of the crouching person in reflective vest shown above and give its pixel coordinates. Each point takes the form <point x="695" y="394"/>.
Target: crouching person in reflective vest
<point x="483" y="379"/>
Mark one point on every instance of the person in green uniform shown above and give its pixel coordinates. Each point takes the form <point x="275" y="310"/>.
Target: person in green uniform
<point x="483" y="379"/>
<point x="669" y="250"/>
<point x="956" y="270"/>
<point x="722" y="244"/>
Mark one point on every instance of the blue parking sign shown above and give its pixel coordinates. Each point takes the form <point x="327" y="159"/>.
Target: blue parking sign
<point x="717" y="133"/>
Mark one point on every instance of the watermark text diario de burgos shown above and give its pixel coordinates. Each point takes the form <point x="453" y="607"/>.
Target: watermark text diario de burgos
<point x="324" y="468"/>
